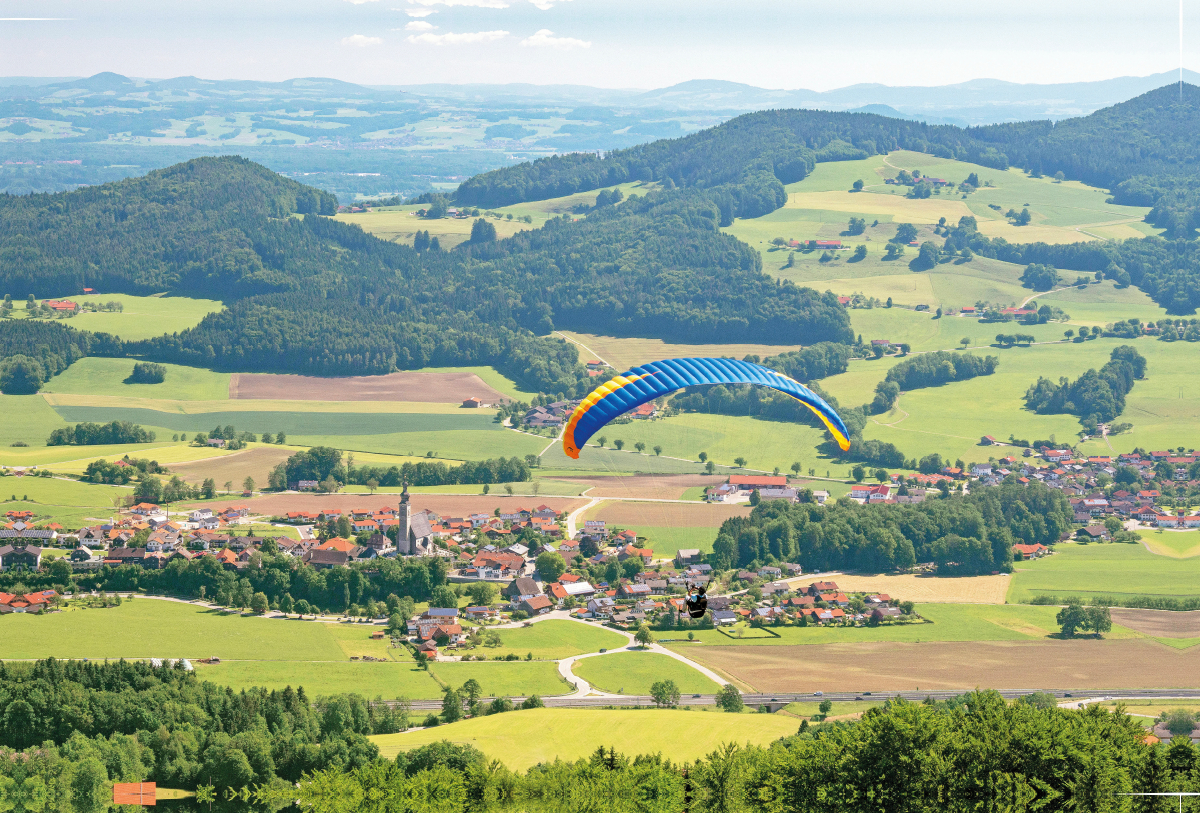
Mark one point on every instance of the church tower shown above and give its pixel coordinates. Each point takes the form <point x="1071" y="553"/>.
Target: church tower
<point x="404" y="526"/>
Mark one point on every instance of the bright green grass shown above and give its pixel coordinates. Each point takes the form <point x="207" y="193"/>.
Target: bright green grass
<point x="764" y="444"/>
<point x="103" y="376"/>
<point x="634" y="672"/>
<point x="144" y="317"/>
<point x="553" y="640"/>
<point x="952" y="418"/>
<point x="1105" y="570"/>
<point x="950" y="622"/>
<point x="609" y="461"/>
<point x="522" y="739"/>
<point x="70" y="456"/>
<point x="1104" y="304"/>
<point x="536" y="488"/>
<point x="151" y="628"/>
<point x="67" y="502"/>
<point x="839" y="708"/>
<point x="1176" y="543"/>
<point x="665" y="541"/>
<point x="458" y="444"/>
<point x="387" y="680"/>
<point x="542" y="210"/>
<point x="28" y="419"/>
<point x="515" y="679"/>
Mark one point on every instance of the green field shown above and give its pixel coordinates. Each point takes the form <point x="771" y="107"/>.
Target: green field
<point x="68" y="502"/>
<point x="630" y="672"/>
<point x="144" y="317"/>
<point x="950" y="622"/>
<point x="515" y="679"/>
<point x="521" y="739"/>
<point x="104" y="376"/>
<point x="666" y="541"/>
<point x="388" y="680"/>
<point x="552" y="640"/>
<point x="27" y="419"/>
<point x="457" y="444"/>
<point x="1105" y="570"/>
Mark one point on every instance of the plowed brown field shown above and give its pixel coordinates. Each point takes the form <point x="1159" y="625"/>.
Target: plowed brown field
<point x="1086" y="664"/>
<point x="1159" y="623"/>
<point x="235" y="468"/>
<point x="446" y="388"/>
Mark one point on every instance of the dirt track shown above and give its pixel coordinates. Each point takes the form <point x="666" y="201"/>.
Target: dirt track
<point x="1089" y="664"/>
<point x="442" y="388"/>
<point x="446" y="505"/>
<point x="647" y="486"/>
<point x="1159" y="623"/>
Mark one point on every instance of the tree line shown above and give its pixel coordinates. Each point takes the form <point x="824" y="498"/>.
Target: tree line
<point x="964" y="535"/>
<point x="96" y="434"/>
<point x="1097" y="395"/>
<point x="321" y="463"/>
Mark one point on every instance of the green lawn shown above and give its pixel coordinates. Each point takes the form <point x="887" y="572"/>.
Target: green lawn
<point x="103" y="376"/>
<point x="1105" y="570"/>
<point x="458" y="444"/>
<point x="68" y="502"/>
<point x="666" y="541"/>
<point x="628" y="672"/>
<point x="839" y="708"/>
<point x="610" y="461"/>
<point x="519" y="678"/>
<point x="521" y="739"/>
<point x="151" y="628"/>
<point x="552" y="640"/>
<point x="144" y="317"/>
<point x="387" y="680"/>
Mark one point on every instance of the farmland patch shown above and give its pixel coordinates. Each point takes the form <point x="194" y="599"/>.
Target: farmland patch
<point x="402" y="386"/>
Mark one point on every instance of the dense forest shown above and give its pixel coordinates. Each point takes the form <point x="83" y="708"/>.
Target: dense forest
<point x="964" y="535"/>
<point x="133" y="722"/>
<point x="975" y="752"/>
<point x="1095" y="395"/>
<point x="321" y="462"/>
<point x="309" y="294"/>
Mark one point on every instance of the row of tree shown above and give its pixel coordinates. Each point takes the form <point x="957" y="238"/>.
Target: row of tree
<point x="1098" y="395"/>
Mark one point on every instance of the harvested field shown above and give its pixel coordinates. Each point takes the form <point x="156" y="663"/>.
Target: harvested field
<point x="1083" y="664"/>
<point x="647" y="486"/>
<point x="921" y="589"/>
<point x="1159" y="623"/>
<point x="234" y="468"/>
<point x="447" y="505"/>
<point x="671" y="515"/>
<point x="449" y="388"/>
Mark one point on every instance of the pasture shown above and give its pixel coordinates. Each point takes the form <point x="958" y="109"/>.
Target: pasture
<point x="522" y="739"/>
<point x="105" y="376"/>
<point x="143" y="317"/>
<point x="399" y="224"/>
<point x="1177" y="544"/>
<point x="509" y="679"/>
<point x="918" y="588"/>
<point x="235" y="467"/>
<point x="632" y="672"/>
<point x="553" y="640"/>
<point x="664" y="514"/>
<point x="387" y="680"/>
<point x="1119" y="570"/>
<point x="27" y="419"/>
<point x="67" y="502"/>
<point x="1108" y="664"/>
<point x="666" y="540"/>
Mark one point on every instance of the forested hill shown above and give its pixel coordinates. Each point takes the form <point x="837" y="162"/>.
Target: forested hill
<point x="309" y="294"/>
<point x="1141" y="148"/>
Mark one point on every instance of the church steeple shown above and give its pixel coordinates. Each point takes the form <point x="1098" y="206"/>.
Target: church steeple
<point x="404" y="525"/>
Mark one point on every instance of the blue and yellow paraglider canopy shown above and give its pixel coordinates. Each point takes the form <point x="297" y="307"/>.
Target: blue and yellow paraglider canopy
<point x="631" y="389"/>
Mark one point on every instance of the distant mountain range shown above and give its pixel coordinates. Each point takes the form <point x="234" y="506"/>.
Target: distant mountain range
<point x="979" y="101"/>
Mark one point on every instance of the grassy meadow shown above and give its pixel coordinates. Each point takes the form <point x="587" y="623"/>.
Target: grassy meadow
<point x="1119" y="570"/>
<point x="522" y="739"/>
<point x="630" y="672"/>
<point x="553" y="640"/>
<point x="105" y="376"/>
<point x="68" y="502"/>
<point x="143" y="317"/>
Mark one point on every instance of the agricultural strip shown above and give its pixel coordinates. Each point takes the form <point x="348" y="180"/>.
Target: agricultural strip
<point x="919" y="588"/>
<point x="522" y="739"/>
<point x="1159" y="623"/>
<point x="959" y="666"/>
<point x="447" y="505"/>
<point x="623" y="353"/>
<point x="689" y="515"/>
<point x="403" y="386"/>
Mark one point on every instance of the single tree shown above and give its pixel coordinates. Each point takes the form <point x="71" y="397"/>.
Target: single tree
<point x="665" y="693"/>
<point x="248" y="485"/>
<point x="858" y="186"/>
<point x="965" y="341"/>
<point x="643" y="635"/>
<point x="258" y="603"/>
<point x="641" y="447"/>
<point x="740" y="462"/>
<point x="657" y="450"/>
<point x="729" y="698"/>
<point x="1071" y="618"/>
<point x="620" y="444"/>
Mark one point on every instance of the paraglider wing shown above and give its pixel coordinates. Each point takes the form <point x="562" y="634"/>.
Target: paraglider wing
<point x="649" y="381"/>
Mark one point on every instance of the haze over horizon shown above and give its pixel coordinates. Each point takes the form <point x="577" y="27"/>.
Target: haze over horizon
<point x="600" y="43"/>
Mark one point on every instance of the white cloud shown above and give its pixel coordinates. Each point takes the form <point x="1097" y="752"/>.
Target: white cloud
<point x="361" y="41"/>
<point x="458" y="39"/>
<point x="419" y="25"/>
<point x="544" y="5"/>
<point x="359" y="2"/>
<point x="419" y="12"/>
<point x="546" y="39"/>
<point x="475" y="3"/>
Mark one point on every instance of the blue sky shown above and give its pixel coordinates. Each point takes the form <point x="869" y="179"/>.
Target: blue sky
<point x="606" y="43"/>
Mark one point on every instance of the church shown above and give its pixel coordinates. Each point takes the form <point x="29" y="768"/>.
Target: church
<point x="414" y="536"/>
